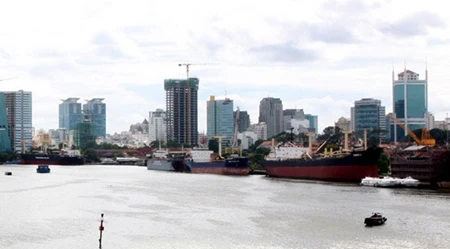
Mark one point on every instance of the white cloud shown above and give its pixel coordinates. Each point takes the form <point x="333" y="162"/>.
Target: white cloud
<point x="320" y="56"/>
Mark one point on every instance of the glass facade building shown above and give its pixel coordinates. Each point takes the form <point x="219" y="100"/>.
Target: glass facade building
<point x="410" y="103"/>
<point x="368" y="114"/>
<point x="95" y="111"/>
<point x="70" y="114"/>
<point x="219" y="116"/>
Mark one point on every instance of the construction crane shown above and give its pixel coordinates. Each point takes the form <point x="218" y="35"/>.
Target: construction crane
<point x="188" y="104"/>
<point x="426" y="138"/>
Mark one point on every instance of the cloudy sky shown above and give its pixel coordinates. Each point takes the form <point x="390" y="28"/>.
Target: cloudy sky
<point x="320" y="56"/>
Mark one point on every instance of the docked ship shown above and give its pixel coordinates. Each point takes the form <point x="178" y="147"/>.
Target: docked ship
<point x="163" y="160"/>
<point x="205" y="161"/>
<point x="343" y="165"/>
<point x="65" y="157"/>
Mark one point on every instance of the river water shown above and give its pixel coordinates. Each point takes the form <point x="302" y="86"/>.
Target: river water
<point x="152" y="209"/>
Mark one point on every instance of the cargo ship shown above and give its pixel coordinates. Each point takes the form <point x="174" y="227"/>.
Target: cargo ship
<point x="66" y="157"/>
<point x="205" y="161"/>
<point x="165" y="161"/>
<point x="343" y="165"/>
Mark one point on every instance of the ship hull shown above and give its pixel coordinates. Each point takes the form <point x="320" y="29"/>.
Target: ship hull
<point x="167" y="165"/>
<point x="50" y="159"/>
<point x="350" y="168"/>
<point x="235" y="166"/>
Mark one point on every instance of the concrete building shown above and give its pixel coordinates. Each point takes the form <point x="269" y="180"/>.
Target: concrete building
<point x="368" y="114"/>
<point x="344" y="124"/>
<point x="299" y="121"/>
<point x="157" y="126"/>
<point x="19" y="115"/>
<point x="248" y="138"/>
<point x="182" y="110"/>
<point x="271" y="113"/>
<point x="219" y="118"/>
<point x="70" y="114"/>
<point x="95" y="111"/>
<point x="5" y="142"/>
<point x="260" y="130"/>
<point x="410" y="103"/>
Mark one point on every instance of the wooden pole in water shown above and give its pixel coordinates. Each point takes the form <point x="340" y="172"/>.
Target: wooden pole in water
<point x="101" y="228"/>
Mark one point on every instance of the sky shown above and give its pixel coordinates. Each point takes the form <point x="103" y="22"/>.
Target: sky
<point x="319" y="56"/>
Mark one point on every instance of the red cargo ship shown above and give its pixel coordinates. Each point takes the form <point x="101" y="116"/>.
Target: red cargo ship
<point x="345" y="165"/>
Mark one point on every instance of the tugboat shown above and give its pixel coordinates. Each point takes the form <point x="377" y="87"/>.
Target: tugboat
<point x="43" y="168"/>
<point x="375" y="220"/>
<point x="8" y="173"/>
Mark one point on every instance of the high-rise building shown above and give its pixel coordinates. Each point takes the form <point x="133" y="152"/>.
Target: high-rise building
<point x="410" y="102"/>
<point x="19" y="116"/>
<point x="259" y="129"/>
<point x="219" y="118"/>
<point x="84" y="133"/>
<point x="95" y="111"/>
<point x="344" y="124"/>
<point x="271" y="112"/>
<point x="368" y="114"/>
<point x="313" y="123"/>
<point x="157" y="126"/>
<point x="5" y="142"/>
<point x="70" y="114"/>
<point x="182" y="110"/>
<point x="243" y="120"/>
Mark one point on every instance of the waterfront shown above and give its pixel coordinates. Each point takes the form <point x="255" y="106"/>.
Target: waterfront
<point x="153" y="209"/>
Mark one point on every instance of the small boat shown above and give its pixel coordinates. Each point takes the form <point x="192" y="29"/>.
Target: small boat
<point x="375" y="220"/>
<point x="43" y="168"/>
<point x="8" y="173"/>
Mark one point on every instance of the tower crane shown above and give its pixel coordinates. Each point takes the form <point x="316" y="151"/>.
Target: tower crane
<point x="188" y="102"/>
<point x="426" y="138"/>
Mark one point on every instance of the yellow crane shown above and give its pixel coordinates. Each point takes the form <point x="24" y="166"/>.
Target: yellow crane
<point x="426" y="138"/>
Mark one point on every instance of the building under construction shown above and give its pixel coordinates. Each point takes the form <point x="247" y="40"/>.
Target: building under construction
<point x="182" y="110"/>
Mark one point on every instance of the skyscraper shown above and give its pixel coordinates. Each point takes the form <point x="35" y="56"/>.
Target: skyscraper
<point x="368" y="114"/>
<point x="182" y="110"/>
<point x="5" y="142"/>
<point x="243" y="120"/>
<point x="70" y="114"/>
<point x="271" y="112"/>
<point x="157" y="126"/>
<point x="95" y="111"/>
<point x="410" y="102"/>
<point x="219" y="118"/>
<point x="19" y="115"/>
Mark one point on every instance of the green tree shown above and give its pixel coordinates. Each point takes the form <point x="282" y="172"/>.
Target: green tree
<point x="213" y="145"/>
<point x="91" y="155"/>
<point x="173" y="144"/>
<point x="383" y="165"/>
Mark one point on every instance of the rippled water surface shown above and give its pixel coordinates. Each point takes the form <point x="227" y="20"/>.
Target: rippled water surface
<point x="152" y="209"/>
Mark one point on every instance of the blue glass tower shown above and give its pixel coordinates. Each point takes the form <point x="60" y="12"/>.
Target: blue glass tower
<point x="220" y="121"/>
<point x="70" y="114"/>
<point x="410" y="102"/>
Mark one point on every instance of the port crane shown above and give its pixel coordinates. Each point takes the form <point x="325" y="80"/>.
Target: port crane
<point x="188" y="102"/>
<point x="426" y="138"/>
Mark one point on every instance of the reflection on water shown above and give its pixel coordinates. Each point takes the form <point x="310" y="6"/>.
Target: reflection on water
<point x="151" y="209"/>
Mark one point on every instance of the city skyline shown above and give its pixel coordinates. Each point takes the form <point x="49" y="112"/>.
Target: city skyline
<point x="313" y="56"/>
